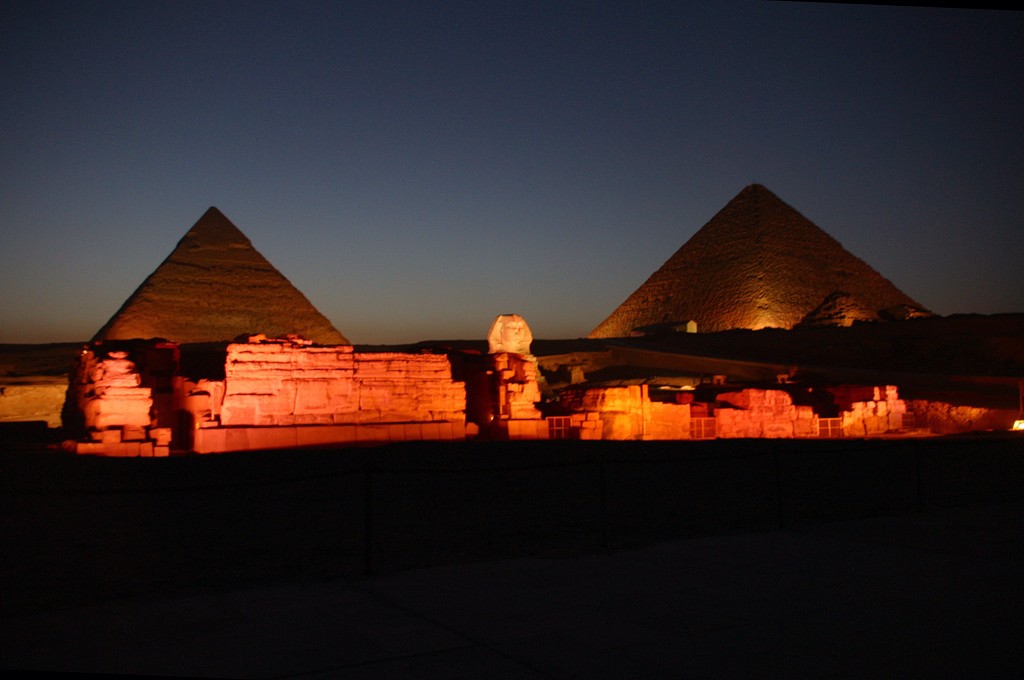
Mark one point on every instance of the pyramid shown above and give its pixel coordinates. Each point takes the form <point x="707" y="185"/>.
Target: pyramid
<point x="758" y="263"/>
<point x="838" y="309"/>
<point x="215" y="286"/>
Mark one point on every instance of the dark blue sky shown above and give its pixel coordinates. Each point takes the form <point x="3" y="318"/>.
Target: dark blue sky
<point x="416" y="168"/>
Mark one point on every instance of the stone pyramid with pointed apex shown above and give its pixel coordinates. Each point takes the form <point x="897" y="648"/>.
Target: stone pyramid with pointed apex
<point x="758" y="263"/>
<point x="215" y="286"/>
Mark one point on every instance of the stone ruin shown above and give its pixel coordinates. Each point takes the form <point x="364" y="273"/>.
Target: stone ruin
<point x="632" y="412"/>
<point x="131" y="398"/>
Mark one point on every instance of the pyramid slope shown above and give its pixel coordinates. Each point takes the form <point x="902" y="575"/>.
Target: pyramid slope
<point x="757" y="263"/>
<point x="215" y="286"/>
<point x="838" y="309"/>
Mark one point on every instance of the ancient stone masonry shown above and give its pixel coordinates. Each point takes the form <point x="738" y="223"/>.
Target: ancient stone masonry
<point x="116" y="407"/>
<point x="625" y="413"/>
<point x="518" y="396"/>
<point x="869" y="411"/>
<point x="628" y="412"/>
<point x="768" y="414"/>
<point x="275" y="393"/>
<point x="295" y="383"/>
<point x="519" y="391"/>
<point x="38" y="401"/>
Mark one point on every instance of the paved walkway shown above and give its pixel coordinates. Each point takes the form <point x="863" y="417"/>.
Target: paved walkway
<point x="930" y="595"/>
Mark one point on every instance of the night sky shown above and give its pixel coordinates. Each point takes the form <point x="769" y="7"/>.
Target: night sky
<point x="416" y="168"/>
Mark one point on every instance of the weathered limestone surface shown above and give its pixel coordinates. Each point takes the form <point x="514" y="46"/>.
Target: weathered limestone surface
<point x="768" y="414"/>
<point x="33" y="401"/>
<point x="281" y="383"/>
<point x="519" y="390"/>
<point x="667" y="421"/>
<point x="626" y="413"/>
<point x="871" y="417"/>
<point x="111" y="397"/>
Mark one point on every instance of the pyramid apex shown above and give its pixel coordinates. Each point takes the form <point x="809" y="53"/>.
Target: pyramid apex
<point x="215" y="286"/>
<point x="757" y="189"/>
<point x="214" y="230"/>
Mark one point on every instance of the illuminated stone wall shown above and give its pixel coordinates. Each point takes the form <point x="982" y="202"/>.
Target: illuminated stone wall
<point x="878" y="415"/>
<point x="276" y="383"/>
<point x="35" y="401"/>
<point x="628" y="413"/>
<point x="766" y="414"/>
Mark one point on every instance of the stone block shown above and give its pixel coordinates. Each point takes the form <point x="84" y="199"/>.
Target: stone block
<point x="250" y="386"/>
<point x="133" y="433"/>
<point x="411" y="432"/>
<point x="446" y="431"/>
<point x="119" y="392"/>
<point x="208" y="440"/>
<point x="591" y="430"/>
<point x="324" y="435"/>
<point x="272" y="438"/>
<point x="805" y="427"/>
<point x="372" y="434"/>
<point x="311" y="395"/>
<point x="527" y="429"/>
<point x="875" y="425"/>
<point x="313" y="419"/>
<point x="232" y="414"/>
<point x="778" y="430"/>
<point x="854" y="427"/>
<point x="619" y="426"/>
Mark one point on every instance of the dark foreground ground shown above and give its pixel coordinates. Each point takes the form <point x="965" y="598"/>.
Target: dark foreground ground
<point x="712" y="559"/>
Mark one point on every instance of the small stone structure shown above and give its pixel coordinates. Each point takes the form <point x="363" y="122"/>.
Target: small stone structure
<point x="116" y="407"/>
